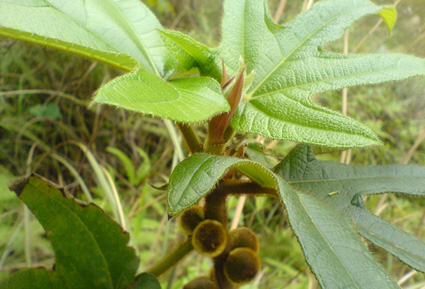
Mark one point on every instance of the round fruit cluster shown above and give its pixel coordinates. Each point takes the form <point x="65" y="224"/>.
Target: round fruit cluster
<point x="235" y="252"/>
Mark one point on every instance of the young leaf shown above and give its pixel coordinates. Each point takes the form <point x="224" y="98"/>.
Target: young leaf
<point x="291" y="66"/>
<point x="198" y="175"/>
<point x="331" y="245"/>
<point x="184" y="100"/>
<point x="113" y="31"/>
<point x="404" y="246"/>
<point x="91" y="250"/>
<point x="190" y="53"/>
<point x="339" y="184"/>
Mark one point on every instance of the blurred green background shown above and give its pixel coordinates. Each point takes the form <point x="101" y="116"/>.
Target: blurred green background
<point x="45" y="118"/>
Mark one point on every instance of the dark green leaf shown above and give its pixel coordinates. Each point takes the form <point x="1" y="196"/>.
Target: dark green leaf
<point x="145" y="281"/>
<point x="339" y="184"/>
<point x="185" y="100"/>
<point x="34" y="278"/>
<point x="90" y="248"/>
<point x="331" y="245"/>
<point x="198" y="174"/>
<point x="404" y="246"/>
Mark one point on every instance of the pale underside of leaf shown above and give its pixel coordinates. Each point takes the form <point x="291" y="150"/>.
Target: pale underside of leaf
<point x="126" y="28"/>
<point x="184" y="100"/>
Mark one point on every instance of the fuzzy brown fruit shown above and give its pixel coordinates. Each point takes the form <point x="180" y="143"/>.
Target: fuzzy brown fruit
<point x="241" y="266"/>
<point x="190" y="218"/>
<point x="244" y="238"/>
<point x="200" y="283"/>
<point x="209" y="238"/>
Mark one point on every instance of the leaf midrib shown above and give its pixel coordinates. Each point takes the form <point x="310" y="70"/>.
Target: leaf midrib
<point x="327" y="242"/>
<point x="292" y="52"/>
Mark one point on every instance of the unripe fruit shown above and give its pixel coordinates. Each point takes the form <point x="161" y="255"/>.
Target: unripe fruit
<point x="200" y="283"/>
<point x="244" y="238"/>
<point x="190" y="218"/>
<point x="209" y="238"/>
<point x="241" y="266"/>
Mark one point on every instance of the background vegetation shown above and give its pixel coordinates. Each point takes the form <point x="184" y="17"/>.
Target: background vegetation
<point x="46" y="121"/>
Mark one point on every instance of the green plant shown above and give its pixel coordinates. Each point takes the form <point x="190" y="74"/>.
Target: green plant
<point x="259" y="80"/>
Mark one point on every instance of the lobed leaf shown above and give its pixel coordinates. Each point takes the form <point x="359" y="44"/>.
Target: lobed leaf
<point x="185" y="100"/>
<point x="118" y="32"/>
<point x="408" y="248"/>
<point x="332" y="248"/>
<point x="90" y="248"/>
<point x="290" y="66"/>
<point x="339" y="183"/>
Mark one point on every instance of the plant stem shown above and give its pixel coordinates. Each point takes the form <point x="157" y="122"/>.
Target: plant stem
<point x="215" y="207"/>
<point x="190" y="138"/>
<point x="172" y="258"/>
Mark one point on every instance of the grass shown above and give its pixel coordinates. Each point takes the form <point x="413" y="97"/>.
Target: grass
<point x="45" y="125"/>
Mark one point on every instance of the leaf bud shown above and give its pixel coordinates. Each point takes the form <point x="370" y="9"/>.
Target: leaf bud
<point x="244" y="238"/>
<point x="241" y="266"/>
<point x="209" y="238"/>
<point x="190" y="218"/>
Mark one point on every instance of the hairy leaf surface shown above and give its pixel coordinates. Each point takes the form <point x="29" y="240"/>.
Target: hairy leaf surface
<point x="408" y="248"/>
<point x="198" y="175"/>
<point x="190" y="53"/>
<point x="339" y="183"/>
<point x="290" y="66"/>
<point x="184" y="99"/>
<point x="90" y="248"/>
<point x="331" y="245"/>
<point x="118" y="32"/>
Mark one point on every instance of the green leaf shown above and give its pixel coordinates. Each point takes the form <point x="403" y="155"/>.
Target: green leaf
<point x="340" y="184"/>
<point x="34" y="278"/>
<point x="113" y="31"/>
<point x="5" y="178"/>
<point x="90" y="248"/>
<point x="190" y="53"/>
<point x="290" y="66"/>
<point x="330" y="244"/>
<point x="185" y="100"/>
<point x="389" y="15"/>
<point x="404" y="246"/>
<point x="145" y="281"/>
<point x="198" y="175"/>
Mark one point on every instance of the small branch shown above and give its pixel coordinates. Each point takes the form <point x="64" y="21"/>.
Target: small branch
<point x="172" y="258"/>
<point x="191" y="139"/>
<point x="244" y="188"/>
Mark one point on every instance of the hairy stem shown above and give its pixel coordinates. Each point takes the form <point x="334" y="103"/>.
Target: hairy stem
<point x="172" y="258"/>
<point x="191" y="139"/>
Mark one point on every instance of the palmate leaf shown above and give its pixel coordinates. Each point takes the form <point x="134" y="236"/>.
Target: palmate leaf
<point x="90" y="248"/>
<point x="117" y="32"/>
<point x="331" y="246"/>
<point x="290" y="66"/>
<point x="342" y="187"/>
<point x="185" y="99"/>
